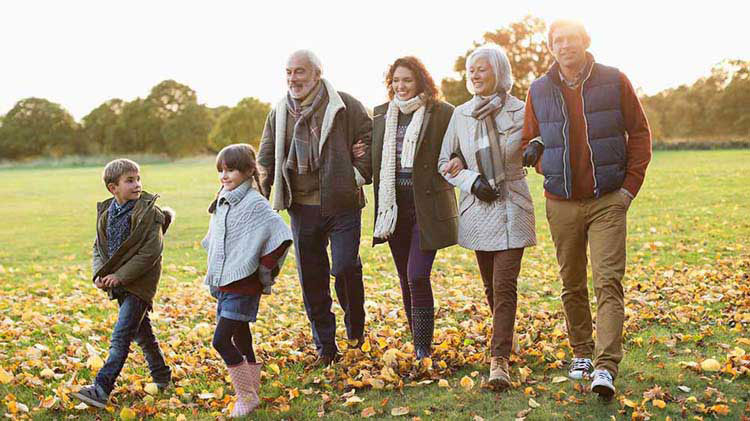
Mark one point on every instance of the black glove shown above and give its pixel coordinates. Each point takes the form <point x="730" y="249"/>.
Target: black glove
<point x="532" y="153"/>
<point x="482" y="189"/>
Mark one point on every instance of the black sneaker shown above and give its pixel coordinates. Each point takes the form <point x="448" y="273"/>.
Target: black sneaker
<point x="92" y="395"/>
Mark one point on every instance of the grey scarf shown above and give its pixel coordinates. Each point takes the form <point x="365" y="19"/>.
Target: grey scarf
<point x="490" y="155"/>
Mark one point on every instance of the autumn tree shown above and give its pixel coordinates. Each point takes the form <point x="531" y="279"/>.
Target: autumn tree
<point x="37" y="127"/>
<point x="98" y="125"/>
<point x="241" y="123"/>
<point x="525" y="43"/>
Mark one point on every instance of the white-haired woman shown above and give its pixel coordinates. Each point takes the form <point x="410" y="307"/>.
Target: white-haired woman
<point x="496" y="214"/>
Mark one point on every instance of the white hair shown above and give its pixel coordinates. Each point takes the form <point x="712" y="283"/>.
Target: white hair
<point x="499" y="63"/>
<point x="311" y="58"/>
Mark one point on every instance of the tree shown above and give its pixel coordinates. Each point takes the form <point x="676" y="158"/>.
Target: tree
<point x="99" y="124"/>
<point x="241" y="123"/>
<point x="137" y="129"/>
<point x="186" y="132"/>
<point x="524" y="42"/>
<point x="38" y="127"/>
<point x="169" y="98"/>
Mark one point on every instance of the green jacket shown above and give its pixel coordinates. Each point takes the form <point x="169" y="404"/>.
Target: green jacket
<point x="435" y="200"/>
<point x="138" y="261"/>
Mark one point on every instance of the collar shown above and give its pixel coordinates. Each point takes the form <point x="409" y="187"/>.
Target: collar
<point x="555" y="73"/>
<point x="234" y="197"/>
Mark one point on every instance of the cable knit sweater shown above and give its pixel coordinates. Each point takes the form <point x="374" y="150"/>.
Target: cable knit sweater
<point x="242" y="229"/>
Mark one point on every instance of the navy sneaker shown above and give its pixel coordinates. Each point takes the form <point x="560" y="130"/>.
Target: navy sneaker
<point x="92" y="395"/>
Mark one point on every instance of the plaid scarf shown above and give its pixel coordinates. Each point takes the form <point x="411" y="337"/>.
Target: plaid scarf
<point x="118" y="224"/>
<point x="489" y="154"/>
<point x="304" y="156"/>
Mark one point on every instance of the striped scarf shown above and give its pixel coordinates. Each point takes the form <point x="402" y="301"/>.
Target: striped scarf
<point x="385" y="222"/>
<point x="489" y="154"/>
<point x="304" y="156"/>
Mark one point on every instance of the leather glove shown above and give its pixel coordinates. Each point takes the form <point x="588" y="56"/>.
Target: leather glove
<point x="532" y="153"/>
<point x="482" y="189"/>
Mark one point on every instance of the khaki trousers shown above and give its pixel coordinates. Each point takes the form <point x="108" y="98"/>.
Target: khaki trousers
<point x="602" y="225"/>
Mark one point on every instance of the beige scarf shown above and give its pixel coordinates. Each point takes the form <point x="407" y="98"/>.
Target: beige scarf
<point x="385" y="220"/>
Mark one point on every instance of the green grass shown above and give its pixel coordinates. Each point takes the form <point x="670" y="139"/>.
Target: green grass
<point x="690" y="218"/>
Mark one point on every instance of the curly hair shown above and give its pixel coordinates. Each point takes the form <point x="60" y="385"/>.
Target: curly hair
<point x="425" y="84"/>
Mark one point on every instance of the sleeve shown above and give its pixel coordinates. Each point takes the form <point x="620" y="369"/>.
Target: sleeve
<point x="97" y="259"/>
<point x="267" y="156"/>
<point x="147" y="256"/>
<point x="363" y="131"/>
<point x="531" y="132"/>
<point x="639" y="138"/>
<point x="451" y="147"/>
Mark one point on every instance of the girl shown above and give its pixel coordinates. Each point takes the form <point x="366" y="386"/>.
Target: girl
<point x="247" y="243"/>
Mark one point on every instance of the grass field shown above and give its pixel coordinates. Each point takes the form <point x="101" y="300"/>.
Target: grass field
<point x="687" y="302"/>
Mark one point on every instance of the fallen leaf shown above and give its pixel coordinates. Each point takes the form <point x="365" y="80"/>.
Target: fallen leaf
<point x="467" y="383"/>
<point x="401" y="410"/>
<point x="559" y="379"/>
<point x="710" y="365"/>
<point x="368" y="412"/>
<point x="533" y="404"/>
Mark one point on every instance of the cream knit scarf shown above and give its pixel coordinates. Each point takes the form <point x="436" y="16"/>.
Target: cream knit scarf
<point x="385" y="222"/>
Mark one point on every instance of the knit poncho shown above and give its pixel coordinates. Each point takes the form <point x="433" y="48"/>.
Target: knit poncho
<point x="242" y="229"/>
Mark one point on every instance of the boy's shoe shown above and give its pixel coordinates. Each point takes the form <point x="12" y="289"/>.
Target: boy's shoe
<point x="603" y="384"/>
<point x="162" y="386"/>
<point x="499" y="376"/>
<point x="580" y="368"/>
<point x="92" y="395"/>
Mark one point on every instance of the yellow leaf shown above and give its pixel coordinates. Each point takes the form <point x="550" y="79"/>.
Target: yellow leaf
<point x="127" y="414"/>
<point x="560" y="354"/>
<point x="151" y="389"/>
<point x="219" y="392"/>
<point x="659" y="403"/>
<point x="467" y="383"/>
<point x="368" y="412"/>
<point x="275" y="368"/>
<point x="529" y="391"/>
<point x="720" y="409"/>
<point x="629" y="403"/>
<point x="402" y="410"/>
<point x="366" y="347"/>
<point x="353" y="401"/>
<point x="533" y="403"/>
<point x="47" y="373"/>
<point x="559" y="379"/>
<point x="95" y="362"/>
<point x="181" y="417"/>
<point x="710" y="365"/>
<point x="5" y="377"/>
<point x="443" y="383"/>
<point x="427" y="362"/>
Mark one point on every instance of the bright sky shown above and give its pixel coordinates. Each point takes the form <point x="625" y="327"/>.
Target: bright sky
<point x="82" y="53"/>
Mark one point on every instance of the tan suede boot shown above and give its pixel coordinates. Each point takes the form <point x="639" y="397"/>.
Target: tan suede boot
<point x="499" y="376"/>
<point x="242" y="380"/>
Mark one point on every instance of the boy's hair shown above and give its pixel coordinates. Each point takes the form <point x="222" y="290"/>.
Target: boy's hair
<point x="238" y="156"/>
<point x="115" y="169"/>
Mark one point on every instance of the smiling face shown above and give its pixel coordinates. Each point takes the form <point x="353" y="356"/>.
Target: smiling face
<point x="482" y="77"/>
<point x="128" y="187"/>
<point x="568" y="47"/>
<point x="231" y="178"/>
<point x="404" y="83"/>
<point x="301" y="76"/>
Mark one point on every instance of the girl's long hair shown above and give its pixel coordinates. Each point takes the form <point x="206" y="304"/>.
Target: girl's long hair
<point x="241" y="157"/>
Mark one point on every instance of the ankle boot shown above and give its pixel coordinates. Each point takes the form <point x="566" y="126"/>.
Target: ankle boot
<point x="423" y="328"/>
<point x="499" y="375"/>
<point x="243" y="376"/>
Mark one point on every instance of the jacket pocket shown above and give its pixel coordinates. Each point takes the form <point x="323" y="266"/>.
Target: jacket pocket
<point x="520" y="195"/>
<point x="445" y="204"/>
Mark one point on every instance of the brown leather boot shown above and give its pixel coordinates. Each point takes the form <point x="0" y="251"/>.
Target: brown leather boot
<point x="499" y="375"/>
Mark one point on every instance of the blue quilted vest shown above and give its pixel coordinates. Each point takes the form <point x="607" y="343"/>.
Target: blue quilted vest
<point x="605" y="127"/>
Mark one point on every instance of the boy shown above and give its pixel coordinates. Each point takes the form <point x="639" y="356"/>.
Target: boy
<point x="127" y="264"/>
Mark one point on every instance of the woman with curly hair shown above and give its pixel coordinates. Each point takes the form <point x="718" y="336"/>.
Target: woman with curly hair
<point x="415" y="208"/>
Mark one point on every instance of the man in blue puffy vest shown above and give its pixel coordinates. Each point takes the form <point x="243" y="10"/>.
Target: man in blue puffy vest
<point x="586" y="132"/>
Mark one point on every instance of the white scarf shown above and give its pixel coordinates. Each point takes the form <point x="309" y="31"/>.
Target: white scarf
<point x="385" y="222"/>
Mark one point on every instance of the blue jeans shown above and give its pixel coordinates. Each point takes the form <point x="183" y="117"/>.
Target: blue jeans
<point x="311" y="232"/>
<point x="132" y="324"/>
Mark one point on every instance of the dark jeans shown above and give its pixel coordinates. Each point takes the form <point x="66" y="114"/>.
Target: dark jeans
<point x="499" y="271"/>
<point x="311" y="232"/>
<point x="412" y="263"/>
<point x="132" y="324"/>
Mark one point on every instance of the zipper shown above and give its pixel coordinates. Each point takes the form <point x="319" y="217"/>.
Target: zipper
<point x="565" y="144"/>
<point x="586" y="126"/>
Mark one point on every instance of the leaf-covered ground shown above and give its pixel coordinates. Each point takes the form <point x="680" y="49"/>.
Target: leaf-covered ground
<point x="687" y="337"/>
